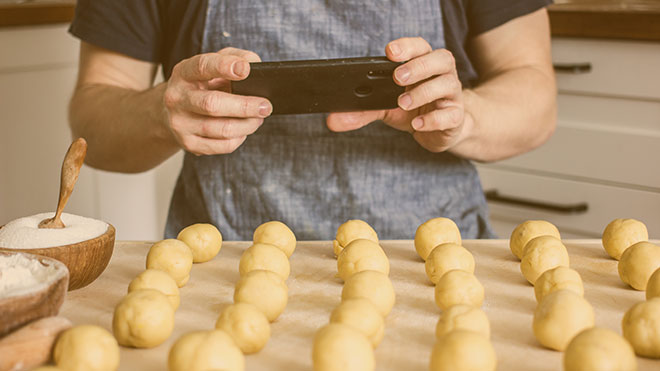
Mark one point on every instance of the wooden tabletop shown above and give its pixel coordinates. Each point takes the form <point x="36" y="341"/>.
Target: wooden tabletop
<point x="314" y="291"/>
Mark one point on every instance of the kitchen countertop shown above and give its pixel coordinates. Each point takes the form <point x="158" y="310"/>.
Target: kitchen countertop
<point x="611" y="19"/>
<point x="314" y="291"/>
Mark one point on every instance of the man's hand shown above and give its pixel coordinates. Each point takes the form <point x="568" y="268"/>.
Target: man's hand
<point x="431" y="107"/>
<point x="200" y="110"/>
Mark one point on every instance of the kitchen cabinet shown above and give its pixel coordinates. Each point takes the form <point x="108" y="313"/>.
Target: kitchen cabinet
<point x="602" y="162"/>
<point x="38" y="67"/>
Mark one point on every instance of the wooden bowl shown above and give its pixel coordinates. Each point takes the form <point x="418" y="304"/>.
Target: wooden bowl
<point x="86" y="260"/>
<point x="43" y="300"/>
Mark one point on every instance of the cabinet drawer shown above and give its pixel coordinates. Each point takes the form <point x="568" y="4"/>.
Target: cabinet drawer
<point x="604" y="203"/>
<point x="617" y="68"/>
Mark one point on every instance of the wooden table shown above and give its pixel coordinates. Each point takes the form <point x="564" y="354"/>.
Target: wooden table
<point x="314" y="291"/>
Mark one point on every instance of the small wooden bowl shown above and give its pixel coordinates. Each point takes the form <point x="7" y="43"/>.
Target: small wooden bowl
<point x="86" y="260"/>
<point x="42" y="301"/>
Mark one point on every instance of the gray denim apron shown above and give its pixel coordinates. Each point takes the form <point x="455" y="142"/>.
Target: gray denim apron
<point x="294" y="169"/>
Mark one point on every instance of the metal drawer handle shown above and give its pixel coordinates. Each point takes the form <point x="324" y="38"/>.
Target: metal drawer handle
<point x="579" y="208"/>
<point x="573" y="68"/>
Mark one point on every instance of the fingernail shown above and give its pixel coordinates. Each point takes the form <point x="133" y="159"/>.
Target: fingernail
<point x="395" y="49"/>
<point x="417" y="123"/>
<point x="405" y="101"/>
<point x="403" y="73"/>
<point x="239" y="68"/>
<point x="264" y="109"/>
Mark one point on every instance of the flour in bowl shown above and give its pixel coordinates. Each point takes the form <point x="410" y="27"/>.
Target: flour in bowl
<point x="24" y="233"/>
<point x="20" y="274"/>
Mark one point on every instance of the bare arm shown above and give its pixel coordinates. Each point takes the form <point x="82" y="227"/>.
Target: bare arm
<point x="511" y="112"/>
<point x="131" y="126"/>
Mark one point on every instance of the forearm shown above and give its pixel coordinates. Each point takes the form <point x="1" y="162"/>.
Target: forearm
<point x="124" y="128"/>
<point x="510" y="114"/>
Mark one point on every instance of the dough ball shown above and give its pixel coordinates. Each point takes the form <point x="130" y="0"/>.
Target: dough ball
<point x="173" y="257"/>
<point x="339" y="347"/>
<point x="246" y="325"/>
<point x="263" y="289"/>
<point x="86" y="348"/>
<point x="47" y="368"/>
<point x="462" y="317"/>
<point x="205" y="350"/>
<point x="371" y="285"/>
<point x="462" y="350"/>
<point x="362" y="315"/>
<point x="638" y="263"/>
<point x="621" y="234"/>
<point x="157" y="280"/>
<point x="599" y="349"/>
<point x="641" y="327"/>
<point x="278" y="234"/>
<point x="267" y="257"/>
<point x="458" y="287"/>
<point x="559" y="317"/>
<point x="434" y="232"/>
<point x="542" y="253"/>
<point x="352" y="230"/>
<point x="653" y="286"/>
<point x="362" y="255"/>
<point x="204" y="241"/>
<point x="446" y="257"/>
<point x="143" y="319"/>
<point x="559" y="278"/>
<point x="528" y="230"/>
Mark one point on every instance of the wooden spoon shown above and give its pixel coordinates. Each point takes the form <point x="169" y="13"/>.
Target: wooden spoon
<point x="70" y="169"/>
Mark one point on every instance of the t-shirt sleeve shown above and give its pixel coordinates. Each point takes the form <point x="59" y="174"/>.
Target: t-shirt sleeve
<point x="484" y="15"/>
<point x="130" y="27"/>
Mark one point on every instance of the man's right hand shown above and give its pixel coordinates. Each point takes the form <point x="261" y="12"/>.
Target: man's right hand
<point x="203" y="115"/>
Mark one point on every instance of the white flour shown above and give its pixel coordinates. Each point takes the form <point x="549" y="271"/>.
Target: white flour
<point x="24" y="233"/>
<point x="20" y="274"/>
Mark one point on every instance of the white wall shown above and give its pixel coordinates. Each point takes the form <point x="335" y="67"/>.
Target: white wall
<point x="38" y="67"/>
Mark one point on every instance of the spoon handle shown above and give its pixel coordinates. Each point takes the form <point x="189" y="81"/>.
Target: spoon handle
<point x="71" y="165"/>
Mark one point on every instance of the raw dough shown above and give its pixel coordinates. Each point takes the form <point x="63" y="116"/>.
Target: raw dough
<point x="339" y="347"/>
<point x="204" y="240"/>
<point x="263" y="289"/>
<point x="86" y="348"/>
<point x="371" y="285"/>
<point x="462" y="317"/>
<point x="528" y="230"/>
<point x="266" y="257"/>
<point x="362" y="315"/>
<point x="157" y="280"/>
<point x="559" y="317"/>
<point x="278" y="234"/>
<point x="204" y="351"/>
<point x="638" y="263"/>
<point x="599" y="349"/>
<point x="653" y="286"/>
<point x="458" y="287"/>
<point x="462" y="350"/>
<point x="143" y="319"/>
<point x="362" y="255"/>
<point x="246" y="325"/>
<point x="434" y="232"/>
<point x="445" y="257"/>
<point x="352" y="230"/>
<point x="171" y="256"/>
<point x="47" y="368"/>
<point x="540" y="254"/>
<point x="620" y="234"/>
<point x="641" y="327"/>
<point x="559" y="278"/>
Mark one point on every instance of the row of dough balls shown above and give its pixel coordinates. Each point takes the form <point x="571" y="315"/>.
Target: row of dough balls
<point x="357" y="324"/>
<point x="463" y="330"/>
<point x="145" y="316"/>
<point x="260" y="296"/>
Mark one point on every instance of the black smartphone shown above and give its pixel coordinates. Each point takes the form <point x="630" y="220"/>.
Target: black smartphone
<point x="323" y="85"/>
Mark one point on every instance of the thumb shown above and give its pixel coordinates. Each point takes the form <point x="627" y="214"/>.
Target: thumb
<point x="347" y="121"/>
